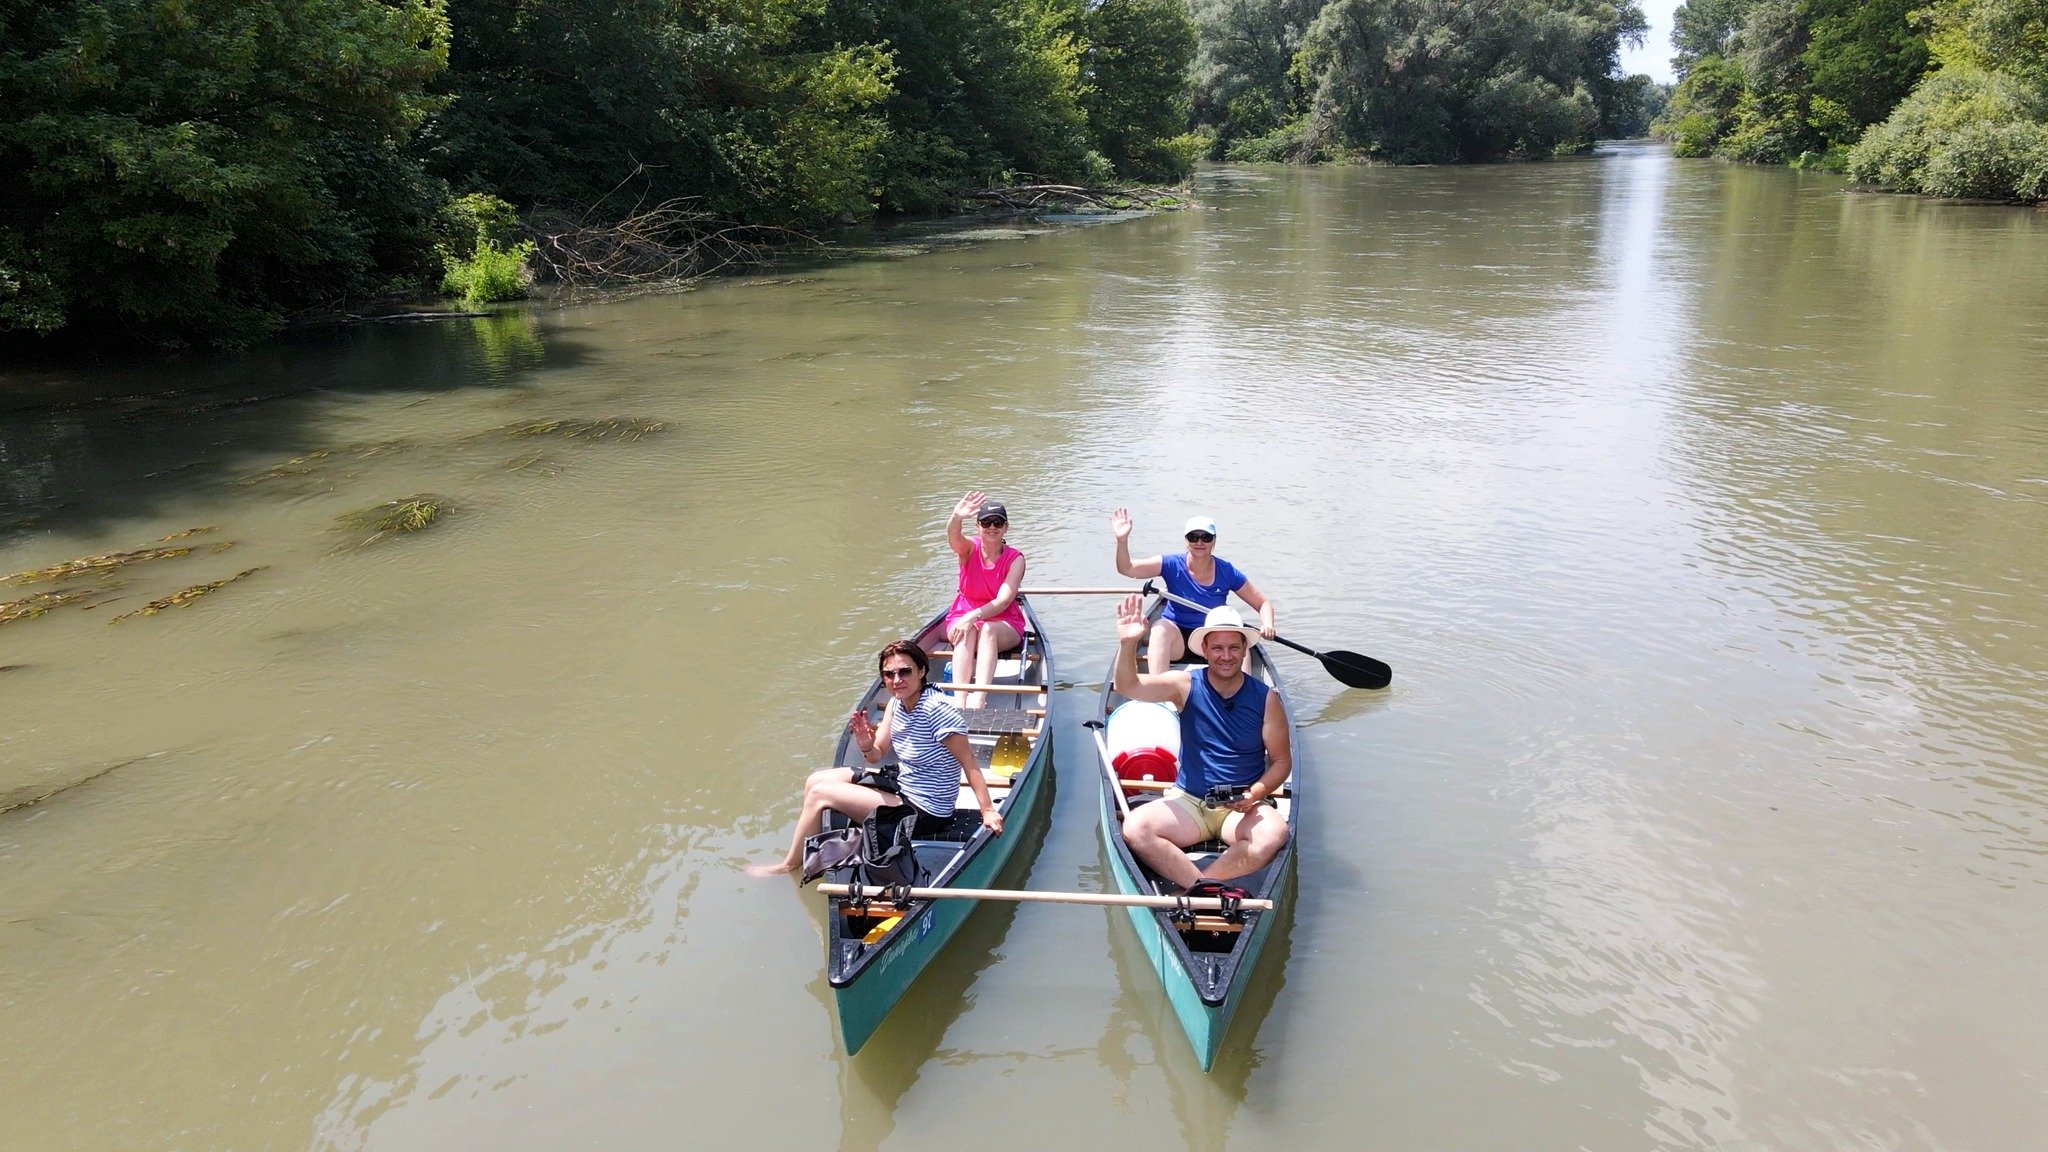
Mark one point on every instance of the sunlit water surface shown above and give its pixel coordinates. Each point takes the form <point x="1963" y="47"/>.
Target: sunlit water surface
<point x="1700" y="510"/>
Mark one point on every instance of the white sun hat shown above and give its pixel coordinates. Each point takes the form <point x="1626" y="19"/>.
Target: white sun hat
<point x="1222" y="618"/>
<point x="1199" y="524"/>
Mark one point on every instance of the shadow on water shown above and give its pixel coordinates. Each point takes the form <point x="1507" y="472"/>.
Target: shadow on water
<point x="873" y="1082"/>
<point x="1205" y="1103"/>
<point x="78" y="450"/>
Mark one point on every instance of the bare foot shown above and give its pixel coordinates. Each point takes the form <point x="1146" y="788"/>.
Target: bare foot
<point x="779" y="868"/>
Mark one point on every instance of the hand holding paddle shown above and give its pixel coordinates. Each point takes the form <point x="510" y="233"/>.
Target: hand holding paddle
<point x="1350" y="668"/>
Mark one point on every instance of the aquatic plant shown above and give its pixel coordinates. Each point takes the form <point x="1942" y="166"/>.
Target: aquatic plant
<point x="411" y="514"/>
<point x="30" y="607"/>
<point x="183" y="597"/>
<point x="615" y="428"/>
<point x="95" y="565"/>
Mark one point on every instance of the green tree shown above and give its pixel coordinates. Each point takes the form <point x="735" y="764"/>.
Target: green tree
<point x="202" y="169"/>
<point x="1865" y="55"/>
<point x="1977" y="127"/>
<point x="1702" y="108"/>
<point x="1424" y="81"/>
<point x="729" y="102"/>
<point x="1137" y="98"/>
<point x="979" y="89"/>
<point x="1243" y="75"/>
<point x="1706" y="28"/>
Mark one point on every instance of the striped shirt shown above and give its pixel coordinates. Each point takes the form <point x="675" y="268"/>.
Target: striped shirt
<point x="930" y="777"/>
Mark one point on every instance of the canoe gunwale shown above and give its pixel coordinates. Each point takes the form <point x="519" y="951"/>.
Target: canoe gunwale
<point x="1273" y="882"/>
<point x="982" y="853"/>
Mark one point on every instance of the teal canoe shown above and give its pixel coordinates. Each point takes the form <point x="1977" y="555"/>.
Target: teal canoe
<point x="1203" y="966"/>
<point x="875" y="950"/>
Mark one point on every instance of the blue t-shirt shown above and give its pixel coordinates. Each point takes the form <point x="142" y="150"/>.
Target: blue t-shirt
<point x="1222" y="741"/>
<point x="1174" y="570"/>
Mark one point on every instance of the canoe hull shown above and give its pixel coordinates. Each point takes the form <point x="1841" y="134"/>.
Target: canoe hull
<point x="1204" y="983"/>
<point x="863" y="1005"/>
<point x="1205" y="1023"/>
<point x="872" y="957"/>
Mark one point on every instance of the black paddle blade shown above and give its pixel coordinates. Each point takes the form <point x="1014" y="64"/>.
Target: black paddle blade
<point x="1357" y="671"/>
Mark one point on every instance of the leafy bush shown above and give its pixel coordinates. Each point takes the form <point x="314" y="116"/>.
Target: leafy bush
<point x="1963" y="132"/>
<point x="1703" y="106"/>
<point x="490" y="274"/>
<point x="1283" y="145"/>
<point x="201" y="170"/>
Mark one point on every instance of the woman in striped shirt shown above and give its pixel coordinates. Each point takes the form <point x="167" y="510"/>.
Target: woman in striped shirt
<point x="929" y="738"/>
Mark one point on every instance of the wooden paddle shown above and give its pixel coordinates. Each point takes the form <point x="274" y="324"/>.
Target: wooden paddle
<point x="1350" y="668"/>
<point x="1021" y="896"/>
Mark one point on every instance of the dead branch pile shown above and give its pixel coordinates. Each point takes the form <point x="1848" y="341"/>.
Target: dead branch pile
<point x="670" y="241"/>
<point x="1041" y="197"/>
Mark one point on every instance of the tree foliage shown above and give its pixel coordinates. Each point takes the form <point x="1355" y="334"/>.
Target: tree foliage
<point x="1430" y="81"/>
<point x="203" y="169"/>
<point x="1137" y="71"/>
<point x="1789" y="81"/>
<point x="1978" y="127"/>
<point x="207" y="167"/>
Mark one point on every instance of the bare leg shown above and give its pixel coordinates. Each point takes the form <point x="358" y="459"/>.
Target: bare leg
<point x="1156" y="832"/>
<point x="1164" y="648"/>
<point x="826" y="788"/>
<point x="964" y="655"/>
<point x="1255" y="837"/>
<point x="996" y="638"/>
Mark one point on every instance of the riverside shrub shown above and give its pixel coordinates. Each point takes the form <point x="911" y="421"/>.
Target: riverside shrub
<point x="490" y="274"/>
<point x="1963" y="132"/>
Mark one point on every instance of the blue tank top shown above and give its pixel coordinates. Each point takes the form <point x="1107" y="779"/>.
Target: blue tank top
<point x="1222" y="741"/>
<point x="1173" y="570"/>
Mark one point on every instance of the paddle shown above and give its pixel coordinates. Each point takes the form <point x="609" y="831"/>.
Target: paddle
<point x="1350" y="668"/>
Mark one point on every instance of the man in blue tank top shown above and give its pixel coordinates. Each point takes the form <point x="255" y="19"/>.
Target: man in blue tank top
<point x="1233" y="732"/>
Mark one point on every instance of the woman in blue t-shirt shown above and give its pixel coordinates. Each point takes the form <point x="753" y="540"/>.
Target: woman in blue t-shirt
<point x="1196" y="574"/>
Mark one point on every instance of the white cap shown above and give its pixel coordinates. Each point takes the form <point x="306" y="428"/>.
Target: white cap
<point x="1199" y="524"/>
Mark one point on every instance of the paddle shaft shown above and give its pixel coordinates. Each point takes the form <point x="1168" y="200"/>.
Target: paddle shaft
<point x="1350" y="667"/>
<point x="1020" y="896"/>
<point x="1075" y="591"/>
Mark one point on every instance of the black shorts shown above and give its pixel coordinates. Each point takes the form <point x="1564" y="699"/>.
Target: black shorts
<point x="1187" y="646"/>
<point x="929" y="825"/>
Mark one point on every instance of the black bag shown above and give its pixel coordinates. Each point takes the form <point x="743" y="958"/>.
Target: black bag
<point x="887" y="856"/>
<point x="830" y="851"/>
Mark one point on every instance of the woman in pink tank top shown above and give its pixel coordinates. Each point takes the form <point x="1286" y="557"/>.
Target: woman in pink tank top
<point x="985" y="619"/>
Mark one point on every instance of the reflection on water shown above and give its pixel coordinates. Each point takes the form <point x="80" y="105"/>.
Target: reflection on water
<point x="1698" y="508"/>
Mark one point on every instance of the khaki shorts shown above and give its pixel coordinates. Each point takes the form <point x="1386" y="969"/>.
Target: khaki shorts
<point x="1209" y="820"/>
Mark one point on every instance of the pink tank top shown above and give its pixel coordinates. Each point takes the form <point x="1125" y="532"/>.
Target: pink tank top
<point x="979" y="584"/>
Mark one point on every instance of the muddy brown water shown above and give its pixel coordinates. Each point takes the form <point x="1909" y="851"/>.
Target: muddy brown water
<point x="1700" y="510"/>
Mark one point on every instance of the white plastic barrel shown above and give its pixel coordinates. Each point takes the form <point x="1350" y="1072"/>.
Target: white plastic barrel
<point x="1144" y="741"/>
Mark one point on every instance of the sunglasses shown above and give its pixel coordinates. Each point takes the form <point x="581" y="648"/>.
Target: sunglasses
<point x="1201" y="537"/>
<point x="898" y="673"/>
<point x="995" y="523"/>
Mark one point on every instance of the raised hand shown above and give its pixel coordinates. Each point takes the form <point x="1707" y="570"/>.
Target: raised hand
<point x="1130" y="619"/>
<point x="969" y="505"/>
<point x="1120" y="524"/>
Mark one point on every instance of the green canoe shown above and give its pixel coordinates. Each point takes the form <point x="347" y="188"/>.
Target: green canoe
<point x="1204" y="965"/>
<point x="875" y="950"/>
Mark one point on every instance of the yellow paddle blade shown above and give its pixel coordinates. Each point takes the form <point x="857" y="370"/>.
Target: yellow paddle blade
<point x="1010" y="752"/>
<point x="876" y="933"/>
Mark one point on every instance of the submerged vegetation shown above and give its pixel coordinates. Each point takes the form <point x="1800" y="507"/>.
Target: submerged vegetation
<point x="622" y="429"/>
<point x="183" y="597"/>
<point x="99" y="570"/>
<point x="408" y="514"/>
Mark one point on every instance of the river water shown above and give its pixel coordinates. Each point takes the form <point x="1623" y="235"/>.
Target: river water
<point x="1699" y="509"/>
